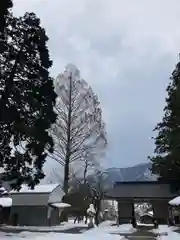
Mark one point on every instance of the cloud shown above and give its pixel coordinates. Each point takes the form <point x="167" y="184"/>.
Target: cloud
<point x="126" y="50"/>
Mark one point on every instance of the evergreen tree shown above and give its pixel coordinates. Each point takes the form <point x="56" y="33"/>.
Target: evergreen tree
<point x="27" y="99"/>
<point x="4" y="13"/>
<point x="166" y="162"/>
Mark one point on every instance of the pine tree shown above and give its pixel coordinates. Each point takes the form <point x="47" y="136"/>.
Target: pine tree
<point x="27" y="99"/>
<point x="166" y="162"/>
<point x="4" y="14"/>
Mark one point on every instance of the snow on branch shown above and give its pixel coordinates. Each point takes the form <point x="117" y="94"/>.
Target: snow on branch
<point x="79" y="133"/>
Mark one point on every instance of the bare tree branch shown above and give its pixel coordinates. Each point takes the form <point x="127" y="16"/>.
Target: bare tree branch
<point x="79" y="132"/>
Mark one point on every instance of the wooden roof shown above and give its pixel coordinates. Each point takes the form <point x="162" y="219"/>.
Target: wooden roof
<point x="140" y="190"/>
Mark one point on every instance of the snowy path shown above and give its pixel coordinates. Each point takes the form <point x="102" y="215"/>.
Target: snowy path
<point x="63" y="227"/>
<point x="141" y="238"/>
<point x="72" y="230"/>
<point x="141" y="233"/>
<point x="58" y="236"/>
<point x="105" y="231"/>
<point x="166" y="233"/>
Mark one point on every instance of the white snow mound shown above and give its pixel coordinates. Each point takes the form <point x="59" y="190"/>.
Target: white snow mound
<point x="5" y="201"/>
<point x="175" y="201"/>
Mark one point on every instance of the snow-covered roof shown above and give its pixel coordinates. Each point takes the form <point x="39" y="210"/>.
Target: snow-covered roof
<point x="61" y="205"/>
<point x="151" y="213"/>
<point x="2" y="189"/>
<point x="45" y="188"/>
<point x="5" y="201"/>
<point x="175" y="201"/>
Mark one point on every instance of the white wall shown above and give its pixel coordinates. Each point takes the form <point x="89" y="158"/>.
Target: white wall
<point x="56" y="195"/>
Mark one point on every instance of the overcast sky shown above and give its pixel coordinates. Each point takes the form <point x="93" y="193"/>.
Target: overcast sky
<point x="126" y="50"/>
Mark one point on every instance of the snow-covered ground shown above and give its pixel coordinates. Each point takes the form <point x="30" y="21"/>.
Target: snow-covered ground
<point x="105" y="231"/>
<point x="102" y="233"/>
<point x="122" y="229"/>
<point x="166" y="233"/>
<point x="63" y="226"/>
<point x="64" y="236"/>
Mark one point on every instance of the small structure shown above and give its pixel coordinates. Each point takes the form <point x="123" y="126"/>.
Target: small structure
<point x="175" y="210"/>
<point x="61" y="206"/>
<point x="38" y="207"/>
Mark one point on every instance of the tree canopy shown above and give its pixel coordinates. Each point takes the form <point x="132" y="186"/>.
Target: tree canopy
<point x="166" y="161"/>
<point x="6" y="5"/>
<point x="27" y="99"/>
<point x="79" y="132"/>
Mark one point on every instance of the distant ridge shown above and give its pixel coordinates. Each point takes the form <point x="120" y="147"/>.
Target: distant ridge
<point x="140" y="172"/>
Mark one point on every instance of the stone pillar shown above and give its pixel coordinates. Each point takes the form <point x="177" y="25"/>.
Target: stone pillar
<point x="161" y="212"/>
<point x="125" y="211"/>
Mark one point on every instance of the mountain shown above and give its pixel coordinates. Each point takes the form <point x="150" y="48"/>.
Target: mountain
<point x="138" y="172"/>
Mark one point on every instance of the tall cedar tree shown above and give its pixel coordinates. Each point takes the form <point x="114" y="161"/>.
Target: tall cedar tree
<point x="79" y="132"/>
<point x="27" y="99"/>
<point x="166" y="162"/>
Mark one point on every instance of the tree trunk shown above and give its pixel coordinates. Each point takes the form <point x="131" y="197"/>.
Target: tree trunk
<point x="68" y="148"/>
<point x="85" y="173"/>
<point x="98" y="208"/>
<point x="66" y="176"/>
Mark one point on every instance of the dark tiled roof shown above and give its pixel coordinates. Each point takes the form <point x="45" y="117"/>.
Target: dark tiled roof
<point x="140" y="190"/>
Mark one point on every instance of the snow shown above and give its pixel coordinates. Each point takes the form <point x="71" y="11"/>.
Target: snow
<point x="146" y="214"/>
<point x="2" y="189"/>
<point x="101" y="233"/>
<point x="61" y="227"/>
<point x="64" y="236"/>
<point x="104" y="228"/>
<point x="5" y="192"/>
<point x="5" y="201"/>
<point x="170" y="236"/>
<point x="151" y="212"/>
<point x="107" y="223"/>
<point x="61" y="205"/>
<point x="164" y="229"/>
<point x="145" y="224"/>
<point x="107" y="227"/>
<point x="42" y="188"/>
<point x="91" y="209"/>
<point x="95" y="233"/>
<point x="72" y="70"/>
<point x="175" y="201"/>
<point x="122" y="229"/>
<point x="166" y="233"/>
